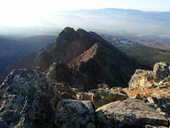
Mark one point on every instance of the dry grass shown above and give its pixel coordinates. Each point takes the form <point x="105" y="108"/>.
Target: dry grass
<point x="147" y="92"/>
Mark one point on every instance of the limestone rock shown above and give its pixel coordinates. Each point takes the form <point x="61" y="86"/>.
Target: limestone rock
<point x="130" y="113"/>
<point x="74" y="114"/>
<point x="26" y="98"/>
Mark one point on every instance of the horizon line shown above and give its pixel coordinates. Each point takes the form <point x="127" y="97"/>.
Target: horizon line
<point x="125" y="9"/>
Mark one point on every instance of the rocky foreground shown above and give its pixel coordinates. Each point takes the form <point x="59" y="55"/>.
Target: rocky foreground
<point x="31" y="99"/>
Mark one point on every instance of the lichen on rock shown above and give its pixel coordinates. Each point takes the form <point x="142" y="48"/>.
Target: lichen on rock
<point x="74" y="114"/>
<point x="129" y="113"/>
<point x="27" y="100"/>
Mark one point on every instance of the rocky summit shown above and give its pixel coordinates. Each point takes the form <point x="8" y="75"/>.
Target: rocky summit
<point x="82" y="81"/>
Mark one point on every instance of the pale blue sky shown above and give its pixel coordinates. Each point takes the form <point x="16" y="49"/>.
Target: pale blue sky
<point x="29" y="12"/>
<point x="148" y="5"/>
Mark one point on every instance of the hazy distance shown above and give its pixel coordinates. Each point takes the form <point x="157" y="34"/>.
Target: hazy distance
<point x="37" y="17"/>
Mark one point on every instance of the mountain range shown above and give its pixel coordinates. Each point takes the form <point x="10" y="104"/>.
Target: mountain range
<point x="142" y="51"/>
<point x="141" y="24"/>
<point x="27" y="49"/>
<point x="88" y="56"/>
<point x="150" y="25"/>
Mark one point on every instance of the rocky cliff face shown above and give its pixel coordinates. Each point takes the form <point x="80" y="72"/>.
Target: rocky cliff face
<point x="101" y="64"/>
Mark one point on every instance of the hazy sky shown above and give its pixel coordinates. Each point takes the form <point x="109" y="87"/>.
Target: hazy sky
<point x="30" y="12"/>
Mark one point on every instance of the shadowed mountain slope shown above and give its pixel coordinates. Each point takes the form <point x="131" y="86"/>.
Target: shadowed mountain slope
<point x="95" y="59"/>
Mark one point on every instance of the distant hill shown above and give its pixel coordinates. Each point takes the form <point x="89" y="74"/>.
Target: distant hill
<point x="12" y="50"/>
<point x="144" y="53"/>
<point x="38" y="42"/>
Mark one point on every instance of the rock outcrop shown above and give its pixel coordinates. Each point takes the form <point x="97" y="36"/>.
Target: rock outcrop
<point x="153" y="87"/>
<point x="61" y="73"/>
<point x="101" y="97"/>
<point x="74" y="114"/>
<point x="29" y="99"/>
<point x="161" y="71"/>
<point x="26" y="100"/>
<point x="159" y="77"/>
<point x="142" y="78"/>
<point x="130" y="113"/>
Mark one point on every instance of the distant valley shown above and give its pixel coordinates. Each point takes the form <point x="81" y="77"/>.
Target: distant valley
<point x="12" y="50"/>
<point x="144" y="52"/>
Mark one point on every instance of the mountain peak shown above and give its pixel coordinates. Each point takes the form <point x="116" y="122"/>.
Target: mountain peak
<point x="82" y="32"/>
<point x="89" y="54"/>
<point x="68" y="29"/>
<point x="67" y="34"/>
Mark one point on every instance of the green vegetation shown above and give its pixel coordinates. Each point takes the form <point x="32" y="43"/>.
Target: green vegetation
<point x="144" y="54"/>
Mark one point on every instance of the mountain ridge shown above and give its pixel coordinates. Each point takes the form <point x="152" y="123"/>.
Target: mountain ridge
<point x="72" y="48"/>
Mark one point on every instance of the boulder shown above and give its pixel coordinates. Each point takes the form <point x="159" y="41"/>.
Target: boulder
<point x="165" y="83"/>
<point x="101" y="97"/>
<point x="74" y="114"/>
<point x="130" y="113"/>
<point x="26" y="98"/>
<point x="159" y="77"/>
<point x="64" y="91"/>
<point x="142" y="78"/>
<point x="161" y="71"/>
